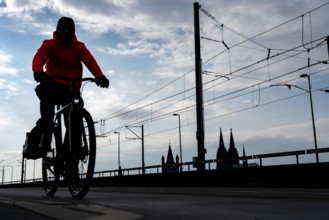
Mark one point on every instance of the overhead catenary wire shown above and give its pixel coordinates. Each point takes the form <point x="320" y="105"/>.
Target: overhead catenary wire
<point x="209" y="102"/>
<point x="259" y="34"/>
<point x="235" y="76"/>
<point x="230" y="29"/>
<point x="221" y="25"/>
<point x="270" y="55"/>
<point x="266" y="65"/>
<point x="148" y="95"/>
<point x="229" y="113"/>
<point x="168" y="114"/>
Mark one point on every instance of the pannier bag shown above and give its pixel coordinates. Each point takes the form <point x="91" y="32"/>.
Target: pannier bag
<point x="31" y="147"/>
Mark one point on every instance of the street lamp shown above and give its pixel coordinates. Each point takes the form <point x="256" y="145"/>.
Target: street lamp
<point x="311" y="103"/>
<point x="12" y="172"/>
<point x="180" y="142"/>
<point x="119" y="166"/>
<point x="3" y="170"/>
<point x="3" y="173"/>
<point x="312" y="112"/>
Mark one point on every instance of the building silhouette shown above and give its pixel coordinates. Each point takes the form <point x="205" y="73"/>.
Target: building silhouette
<point x="227" y="158"/>
<point x="170" y="165"/>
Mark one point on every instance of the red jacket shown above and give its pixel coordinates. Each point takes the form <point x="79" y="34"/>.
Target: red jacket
<point x="64" y="60"/>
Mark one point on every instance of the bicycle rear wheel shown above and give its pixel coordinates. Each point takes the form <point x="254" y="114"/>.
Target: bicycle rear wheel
<point x="81" y="164"/>
<point x="50" y="167"/>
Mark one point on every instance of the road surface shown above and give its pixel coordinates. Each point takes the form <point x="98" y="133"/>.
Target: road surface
<point x="150" y="203"/>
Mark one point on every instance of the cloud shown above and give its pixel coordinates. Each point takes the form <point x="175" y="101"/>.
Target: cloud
<point x="9" y="122"/>
<point x="8" y="88"/>
<point x="138" y="48"/>
<point x="163" y="38"/>
<point x="301" y="132"/>
<point x="150" y="42"/>
<point x="23" y="10"/>
<point x="3" y="3"/>
<point x="5" y="62"/>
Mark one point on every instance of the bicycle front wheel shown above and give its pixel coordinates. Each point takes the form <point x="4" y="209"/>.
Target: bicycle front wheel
<point x="81" y="164"/>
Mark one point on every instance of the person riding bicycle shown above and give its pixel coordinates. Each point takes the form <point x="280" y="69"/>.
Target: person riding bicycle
<point x="62" y="55"/>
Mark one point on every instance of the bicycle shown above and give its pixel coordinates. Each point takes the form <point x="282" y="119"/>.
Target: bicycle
<point x="73" y="157"/>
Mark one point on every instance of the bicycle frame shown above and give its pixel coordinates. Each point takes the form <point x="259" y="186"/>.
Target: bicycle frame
<point x="58" y="121"/>
<point x="74" y="105"/>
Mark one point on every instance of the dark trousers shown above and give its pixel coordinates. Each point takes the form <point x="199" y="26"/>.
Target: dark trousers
<point x="50" y="95"/>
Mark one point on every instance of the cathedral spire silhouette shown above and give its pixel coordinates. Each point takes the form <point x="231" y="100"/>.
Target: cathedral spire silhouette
<point x="232" y="151"/>
<point x="221" y="152"/>
<point x="170" y="156"/>
<point x="170" y="165"/>
<point x="245" y="161"/>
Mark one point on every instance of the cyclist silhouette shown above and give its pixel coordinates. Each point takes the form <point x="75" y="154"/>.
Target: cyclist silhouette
<point x="62" y="55"/>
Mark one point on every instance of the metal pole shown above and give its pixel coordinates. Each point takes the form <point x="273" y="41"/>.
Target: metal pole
<point x="141" y="138"/>
<point x="33" y="170"/>
<point x="328" y="45"/>
<point x="143" y="161"/>
<point x="22" y="174"/>
<point x="25" y="164"/>
<point x="12" y="172"/>
<point x="313" y="121"/>
<point x="180" y="142"/>
<point x="199" y="90"/>
<point x="116" y="132"/>
<point x="119" y="151"/>
<point x="2" y="170"/>
<point x="3" y="174"/>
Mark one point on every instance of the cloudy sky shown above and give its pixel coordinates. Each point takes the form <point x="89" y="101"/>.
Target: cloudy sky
<point x="146" y="49"/>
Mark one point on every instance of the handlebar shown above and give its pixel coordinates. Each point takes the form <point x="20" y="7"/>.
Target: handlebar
<point x="73" y="80"/>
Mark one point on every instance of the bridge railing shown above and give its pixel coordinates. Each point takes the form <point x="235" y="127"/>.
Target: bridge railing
<point x="190" y="166"/>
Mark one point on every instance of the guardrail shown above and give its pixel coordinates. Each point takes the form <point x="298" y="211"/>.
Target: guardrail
<point x="189" y="165"/>
<point x="260" y="157"/>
